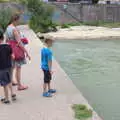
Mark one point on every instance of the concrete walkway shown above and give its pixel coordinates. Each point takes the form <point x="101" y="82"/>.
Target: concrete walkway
<point x="30" y="104"/>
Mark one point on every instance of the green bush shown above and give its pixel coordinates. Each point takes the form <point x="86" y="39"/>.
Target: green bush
<point x="5" y="16"/>
<point x="93" y="23"/>
<point x="82" y="112"/>
<point x="38" y="24"/>
<point x="68" y="25"/>
<point x="3" y="1"/>
<point x="74" y="24"/>
<point x="65" y="26"/>
<point x="41" y="15"/>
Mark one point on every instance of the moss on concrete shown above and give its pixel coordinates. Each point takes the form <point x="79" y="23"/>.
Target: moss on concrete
<point x="82" y="112"/>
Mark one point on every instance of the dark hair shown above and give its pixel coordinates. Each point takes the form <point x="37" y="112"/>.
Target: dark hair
<point x="47" y="39"/>
<point x="15" y="17"/>
<point x="1" y="35"/>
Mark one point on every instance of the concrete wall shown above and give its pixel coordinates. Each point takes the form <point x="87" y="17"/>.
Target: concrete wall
<point x="87" y="13"/>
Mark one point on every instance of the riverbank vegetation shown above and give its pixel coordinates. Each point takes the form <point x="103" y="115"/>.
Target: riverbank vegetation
<point x="5" y="16"/>
<point x="95" y="23"/>
<point x="4" y="0"/>
<point x="82" y="112"/>
<point x="40" y="15"/>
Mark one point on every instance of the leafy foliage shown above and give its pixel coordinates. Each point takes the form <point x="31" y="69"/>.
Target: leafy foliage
<point x="82" y="112"/>
<point x="4" y="0"/>
<point x="65" y="26"/>
<point x="41" y="15"/>
<point x="5" y="16"/>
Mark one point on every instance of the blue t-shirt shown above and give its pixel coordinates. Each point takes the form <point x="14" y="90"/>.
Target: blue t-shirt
<point x="46" y="56"/>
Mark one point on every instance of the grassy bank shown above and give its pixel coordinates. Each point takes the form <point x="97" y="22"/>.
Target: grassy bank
<point x="96" y="23"/>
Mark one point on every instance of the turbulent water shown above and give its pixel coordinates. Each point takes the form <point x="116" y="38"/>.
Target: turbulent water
<point x="94" y="67"/>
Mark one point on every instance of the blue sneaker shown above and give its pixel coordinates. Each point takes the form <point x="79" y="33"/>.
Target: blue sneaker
<point x="47" y="94"/>
<point x="52" y="91"/>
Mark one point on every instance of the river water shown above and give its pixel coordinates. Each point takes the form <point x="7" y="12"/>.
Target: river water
<point x="94" y="67"/>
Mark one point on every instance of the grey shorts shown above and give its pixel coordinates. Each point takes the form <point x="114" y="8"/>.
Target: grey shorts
<point x="18" y="63"/>
<point x="5" y="77"/>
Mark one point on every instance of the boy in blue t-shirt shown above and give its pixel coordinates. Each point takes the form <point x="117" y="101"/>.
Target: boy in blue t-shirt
<point x="46" y="65"/>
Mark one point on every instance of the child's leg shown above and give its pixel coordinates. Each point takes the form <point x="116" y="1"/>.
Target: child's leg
<point x="6" y="92"/>
<point x="50" y="90"/>
<point x="45" y="91"/>
<point x="11" y="89"/>
<point x="13" y="95"/>
<point x="45" y="87"/>
<point x="49" y="86"/>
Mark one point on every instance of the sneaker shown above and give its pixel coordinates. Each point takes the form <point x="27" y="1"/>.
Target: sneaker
<point x="2" y="99"/>
<point x="52" y="91"/>
<point x="6" y="102"/>
<point x="47" y="94"/>
<point x="14" y="84"/>
<point x="14" y="97"/>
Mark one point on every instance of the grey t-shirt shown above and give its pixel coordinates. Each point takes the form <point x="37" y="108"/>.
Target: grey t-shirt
<point x="9" y="33"/>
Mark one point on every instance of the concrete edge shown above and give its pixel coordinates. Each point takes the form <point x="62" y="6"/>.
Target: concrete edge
<point x="95" y="115"/>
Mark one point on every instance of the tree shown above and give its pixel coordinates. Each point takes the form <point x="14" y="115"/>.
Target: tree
<point x="5" y="16"/>
<point x="40" y="13"/>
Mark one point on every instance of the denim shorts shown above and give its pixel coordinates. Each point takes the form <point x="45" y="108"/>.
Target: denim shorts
<point x="5" y="76"/>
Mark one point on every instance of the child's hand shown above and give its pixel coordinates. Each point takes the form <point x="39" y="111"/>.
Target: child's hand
<point x="51" y="72"/>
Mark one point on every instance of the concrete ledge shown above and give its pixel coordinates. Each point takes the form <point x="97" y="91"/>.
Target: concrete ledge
<point x="31" y="105"/>
<point x="85" y="33"/>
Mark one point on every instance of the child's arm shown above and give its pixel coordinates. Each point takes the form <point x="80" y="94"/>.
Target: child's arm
<point x="50" y="65"/>
<point x="50" y="61"/>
